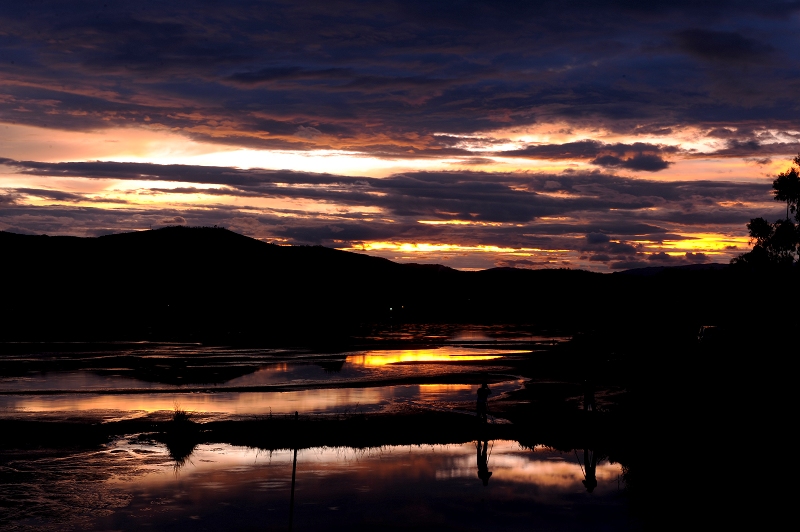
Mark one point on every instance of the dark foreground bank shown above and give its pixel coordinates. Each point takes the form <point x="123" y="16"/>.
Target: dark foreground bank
<point x="212" y="285"/>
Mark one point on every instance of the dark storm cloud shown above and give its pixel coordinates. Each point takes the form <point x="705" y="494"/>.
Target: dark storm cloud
<point x="635" y="156"/>
<point x="384" y="78"/>
<point x="49" y="194"/>
<point x="587" y="149"/>
<point x="287" y="73"/>
<point x="643" y="161"/>
<point x="7" y="199"/>
<point x="721" y="45"/>
<point x="531" y="264"/>
<point x="730" y="133"/>
<point x="475" y="161"/>
<point x="57" y="195"/>
<point x="660" y="259"/>
<point x="613" y="226"/>
<point x="597" y="238"/>
<point x="697" y="257"/>
<point x="753" y="147"/>
<point x="664" y="259"/>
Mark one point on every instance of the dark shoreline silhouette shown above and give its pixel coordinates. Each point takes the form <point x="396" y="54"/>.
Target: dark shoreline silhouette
<point x="215" y="286"/>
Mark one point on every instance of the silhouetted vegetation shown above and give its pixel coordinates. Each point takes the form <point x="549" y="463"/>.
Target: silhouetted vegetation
<point x="180" y="436"/>
<point x="180" y="417"/>
<point x="776" y="245"/>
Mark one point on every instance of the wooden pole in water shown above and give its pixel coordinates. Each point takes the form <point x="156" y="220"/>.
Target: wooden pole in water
<point x="294" y="474"/>
<point x="291" y="500"/>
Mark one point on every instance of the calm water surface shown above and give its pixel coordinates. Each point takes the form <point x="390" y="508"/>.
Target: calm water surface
<point x="225" y="404"/>
<point x="273" y="382"/>
<point x="135" y="485"/>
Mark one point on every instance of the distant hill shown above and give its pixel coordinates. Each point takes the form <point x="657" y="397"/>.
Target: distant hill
<point x="654" y="270"/>
<point x="211" y="284"/>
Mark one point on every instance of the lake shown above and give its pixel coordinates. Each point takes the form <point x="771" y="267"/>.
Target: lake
<point x="132" y="485"/>
<point x="131" y="479"/>
<point x="130" y="381"/>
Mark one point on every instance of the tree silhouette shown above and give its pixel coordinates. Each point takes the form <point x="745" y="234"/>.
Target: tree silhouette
<point x="777" y="244"/>
<point x="786" y="187"/>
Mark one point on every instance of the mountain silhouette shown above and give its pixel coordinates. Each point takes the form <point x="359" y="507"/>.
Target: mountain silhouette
<point x="211" y="284"/>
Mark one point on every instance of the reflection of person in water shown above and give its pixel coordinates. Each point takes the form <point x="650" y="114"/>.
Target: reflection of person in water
<point x="483" y="400"/>
<point x="588" y="397"/>
<point x="590" y="463"/>
<point x="483" y="462"/>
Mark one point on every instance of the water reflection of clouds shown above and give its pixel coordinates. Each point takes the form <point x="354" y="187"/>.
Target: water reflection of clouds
<point x="361" y="366"/>
<point x="361" y="371"/>
<point x="508" y="461"/>
<point x="441" y="354"/>
<point x="282" y="373"/>
<point x="72" y="380"/>
<point x="332" y="400"/>
<point x="550" y="472"/>
<point x="316" y="400"/>
<point x="509" y="464"/>
<point x="242" y="487"/>
<point x="375" y="364"/>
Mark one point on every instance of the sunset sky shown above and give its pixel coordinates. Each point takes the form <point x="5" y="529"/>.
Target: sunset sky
<point x="581" y="134"/>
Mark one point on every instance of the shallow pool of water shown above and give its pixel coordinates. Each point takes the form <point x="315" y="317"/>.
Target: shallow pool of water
<point x="135" y="485"/>
<point x="274" y="382"/>
<point x="104" y="406"/>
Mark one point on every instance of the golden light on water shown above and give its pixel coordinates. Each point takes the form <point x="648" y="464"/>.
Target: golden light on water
<point x="441" y="388"/>
<point x="250" y="403"/>
<point x="513" y="465"/>
<point x="547" y="474"/>
<point x="444" y="354"/>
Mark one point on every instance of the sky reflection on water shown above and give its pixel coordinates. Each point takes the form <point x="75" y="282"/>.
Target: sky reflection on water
<point x="318" y="400"/>
<point x="317" y="383"/>
<point x="298" y="369"/>
<point x="426" y="486"/>
<point x="441" y="354"/>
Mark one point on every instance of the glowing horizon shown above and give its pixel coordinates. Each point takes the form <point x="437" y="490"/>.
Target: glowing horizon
<point x="454" y="143"/>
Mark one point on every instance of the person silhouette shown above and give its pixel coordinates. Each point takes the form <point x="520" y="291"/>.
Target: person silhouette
<point x="483" y="401"/>
<point x="589" y="404"/>
<point x="483" y="462"/>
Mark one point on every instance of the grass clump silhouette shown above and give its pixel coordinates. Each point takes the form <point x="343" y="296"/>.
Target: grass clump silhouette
<point x="180" y="416"/>
<point x="180" y="437"/>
